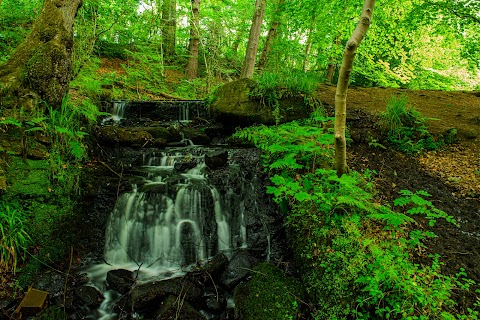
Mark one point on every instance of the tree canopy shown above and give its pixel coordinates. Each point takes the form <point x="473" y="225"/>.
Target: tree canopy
<point x="414" y="44"/>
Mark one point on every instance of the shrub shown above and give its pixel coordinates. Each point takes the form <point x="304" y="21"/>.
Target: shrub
<point x="14" y="239"/>
<point x="355" y="255"/>
<point x="406" y="128"/>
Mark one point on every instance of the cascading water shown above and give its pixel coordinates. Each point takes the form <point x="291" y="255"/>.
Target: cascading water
<point x="163" y="221"/>
<point x="178" y="207"/>
<point x="172" y="218"/>
<point x="118" y="112"/>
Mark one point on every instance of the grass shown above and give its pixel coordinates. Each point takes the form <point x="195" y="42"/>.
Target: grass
<point x="15" y="238"/>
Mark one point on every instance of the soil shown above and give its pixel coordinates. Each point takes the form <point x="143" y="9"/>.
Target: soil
<point x="451" y="175"/>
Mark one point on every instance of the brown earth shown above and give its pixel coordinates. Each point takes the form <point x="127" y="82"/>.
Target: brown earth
<point x="451" y="175"/>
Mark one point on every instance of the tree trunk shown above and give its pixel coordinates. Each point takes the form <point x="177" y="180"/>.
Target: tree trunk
<point x="332" y="65"/>
<point x="169" y="30"/>
<point x="40" y="68"/>
<point x="308" y="46"/>
<point x="250" y="55"/>
<point x="272" y="33"/>
<point x="192" y="65"/>
<point x="342" y="86"/>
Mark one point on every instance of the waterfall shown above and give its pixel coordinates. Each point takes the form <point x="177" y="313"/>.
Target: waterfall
<point x="118" y="111"/>
<point x="171" y="219"/>
<point x="183" y="112"/>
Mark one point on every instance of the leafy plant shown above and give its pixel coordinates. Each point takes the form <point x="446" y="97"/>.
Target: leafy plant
<point x="355" y="254"/>
<point x="14" y="239"/>
<point x="406" y="128"/>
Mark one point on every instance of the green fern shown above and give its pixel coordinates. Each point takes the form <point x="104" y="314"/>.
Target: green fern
<point x="415" y="204"/>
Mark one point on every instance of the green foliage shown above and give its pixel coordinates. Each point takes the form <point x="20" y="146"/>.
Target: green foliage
<point x="406" y="128"/>
<point x="295" y="145"/>
<point x="269" y="294"/>
<point x="15" y="237"/>
<point x="270" y="87"/>
<point x="418" y="205"/>
<point x="355" y="255"/>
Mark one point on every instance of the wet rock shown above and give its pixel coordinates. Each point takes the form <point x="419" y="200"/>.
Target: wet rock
<point x="216" y="159"/>
<point x="7" y="305"/>
<point x="120" y="280"/>
<point x="147" y="296"/>
<point x="159" y="143"/>
<point x="215" y="302"/>
<point x="197" y="136"/>
<point x="36" y="151"/>
<point x="53" y="283"/>
<point x="185" y="165"/>
<point x="238" y="269"/>
<point x="127" y="137"/>
<point x="216" y="266"/>
<point x="89" y="296"/>
<point x="174" y="308"/>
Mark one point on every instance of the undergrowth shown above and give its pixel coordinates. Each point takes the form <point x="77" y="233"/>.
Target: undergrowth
<point x="406" y="128"/>
<point x="355" y="255"/>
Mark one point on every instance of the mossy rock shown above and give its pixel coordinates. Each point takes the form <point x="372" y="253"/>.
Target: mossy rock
<point x="268" y="295"/>
<point x="233" y="106"/>
<point x="31" y="177"/>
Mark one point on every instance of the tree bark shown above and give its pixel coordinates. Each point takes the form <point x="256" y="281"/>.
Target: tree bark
<point x="342" y="86"/>
<point x="169" y="30"/>
<point x="272" y="33"/>
<point x="40" y="68"/>
<point x="251" y="53"/>
<point x="332" y="65"/>
<point x="192" y="65"/>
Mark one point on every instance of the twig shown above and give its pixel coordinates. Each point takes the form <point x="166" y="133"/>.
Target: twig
<point x="66" y="281"/>
<point x="106" y="165"/>
<point x="214" y="285"/>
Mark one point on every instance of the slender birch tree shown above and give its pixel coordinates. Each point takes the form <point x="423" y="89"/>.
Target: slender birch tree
<point x="342" y="86"/>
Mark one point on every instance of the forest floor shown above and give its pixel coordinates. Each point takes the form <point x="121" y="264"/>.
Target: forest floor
<point x="451" y="175"/>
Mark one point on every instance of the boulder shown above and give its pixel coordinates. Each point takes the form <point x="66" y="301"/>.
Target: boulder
<point x="238" y="269"/>
<point x="184" y="165"/>
<point x="233" y="105"/>
<point x="89" y="296"/>
<point x="216" y="159"/>
<point x="120" y="280"/>
<point x="147" y="296"/>
<point x="174" y="308"/>
<point x="215" y="302"/>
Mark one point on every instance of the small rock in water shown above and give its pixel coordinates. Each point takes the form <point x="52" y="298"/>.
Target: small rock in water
<point x="120" y="280"/>
<point x="89" y="296"/>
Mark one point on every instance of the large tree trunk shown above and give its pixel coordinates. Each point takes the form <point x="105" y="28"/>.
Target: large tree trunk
<point x="169" y="30"/>
<point x="192" y="65"/>
<point x="40" y="69"/>
<point x="342" y="86"/>
<point x="272" y="33"/>
<point x="250" y="55"/>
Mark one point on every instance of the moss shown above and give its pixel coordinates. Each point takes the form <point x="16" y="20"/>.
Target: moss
<point x="30" y="178"/>
<point x="268" y="295"/>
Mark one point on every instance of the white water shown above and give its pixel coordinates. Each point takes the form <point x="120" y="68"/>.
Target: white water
<point x="118" y="112"/>
<point x="166" y="223"/>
